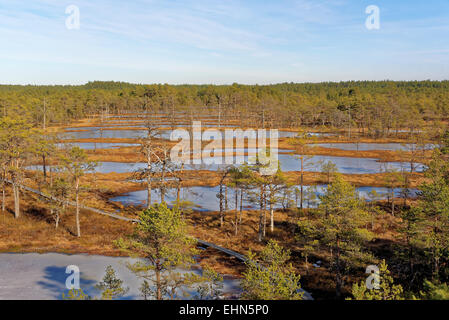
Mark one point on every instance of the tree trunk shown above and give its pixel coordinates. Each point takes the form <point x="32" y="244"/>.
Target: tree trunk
<point x="241" y="206"/>
<point x="162" y="194"/>
<point x="236" y="199"/>
<point x="296" y="197"/>
<point x="406" y="190"/>
<point x="410" y="257"/>
<point x="226" y="198"/>
<point x="148" y="192"/>
<point x="57" y="220"/>
<point x="392" y="202"/>
<point x="44" y="166"/>
<point x="265" y="219"/>
<point x="3" y="197"/>
<point x="338" y="278"/>
<point x="302" y="182"/>
<point x="158" y="283"/>
<point x="148" y="154"/>
<point x="260" y="238"/>
<point x="45" y="115"/>
<point x="178" y="191"/>
<point x="163" y="183"/>
<point x="78" y="229"/>
<point x="307" y="264"/>
<point x="221" y="205"/>
<point x="16" y="201"/>
<point x="236" y="222"/>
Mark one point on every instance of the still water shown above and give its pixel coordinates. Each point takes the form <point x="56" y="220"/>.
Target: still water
<point x="288" y="162"/>
<point x="205" y="198"/>
<point x="371" y="146"/>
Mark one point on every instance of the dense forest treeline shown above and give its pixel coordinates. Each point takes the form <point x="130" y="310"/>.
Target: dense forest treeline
<point x="374" y="108"/>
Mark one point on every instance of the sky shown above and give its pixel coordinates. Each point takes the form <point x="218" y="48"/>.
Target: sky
<point x="222" y="41"/>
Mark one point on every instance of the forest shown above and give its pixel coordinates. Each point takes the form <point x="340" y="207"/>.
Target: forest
<point x="376" y="108"/>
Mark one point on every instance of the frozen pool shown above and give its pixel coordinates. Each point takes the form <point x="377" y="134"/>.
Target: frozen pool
<point x="34" y="276"/>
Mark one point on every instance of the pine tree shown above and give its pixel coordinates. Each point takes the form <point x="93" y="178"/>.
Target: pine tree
<point x="434" y="205"/>
<point x="307" y="236"/>
<point x="271" y="277"/>
<point x="386" y="290"/>
<point x="111" y="286"/>
<point x="60" y="192"/>
<point x="445" y="142"/>
<point x="161" y="239"/>
<point x="431" y="291"/>
<point x="16" y="146"/>
<point x="210" y="284"/>
<point x="329" y="169"/>
<point x="76" y="294"/>
<point x="75" y="164"/>
<point x="145" y="290"/>
<point x="343" y="229"/>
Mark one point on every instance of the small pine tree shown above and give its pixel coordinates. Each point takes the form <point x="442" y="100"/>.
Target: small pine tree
<point x="342" y="229"/>
<point x="76" y="294"/>
<point x="145" y="290"/>
<point x="433" y="291"/>
<point x="211" y="285"/>
<point x="271" y="278"/>
<point x="387" y="289"/>
<point x="307" y="237"/>
<point x="445" y="143"/>
<point x="434" y="205"/>
<point x="75" y="163"/>
<point x="162" y="239"/>
<point x="329" y="169"/>
<point x="111" y="287"/>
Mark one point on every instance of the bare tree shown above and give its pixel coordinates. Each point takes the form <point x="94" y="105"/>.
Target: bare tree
<point x="147" y="149"/>
<point x="75" y="164"/>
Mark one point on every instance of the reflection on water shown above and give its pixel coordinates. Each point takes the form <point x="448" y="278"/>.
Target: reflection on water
<point x="371" y="146"/>
<point x="320" y="134"/>
<point x="345" y="165"/>
<point x="107" y="167"/>
<point x="205" y="198"/>
<point x="98" y="145"/>
<point x="97" y="133"/>
<point x="108" y="133"/>
<point x="288" y="162"/>
<point x="251" y="151"/>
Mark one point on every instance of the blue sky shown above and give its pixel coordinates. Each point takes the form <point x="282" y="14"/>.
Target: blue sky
<point x="211" y="41"/>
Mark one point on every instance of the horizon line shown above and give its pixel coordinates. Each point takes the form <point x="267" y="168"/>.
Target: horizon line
<point x="214" y="84"/>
